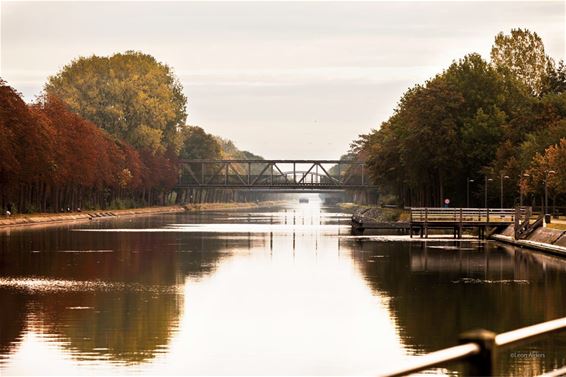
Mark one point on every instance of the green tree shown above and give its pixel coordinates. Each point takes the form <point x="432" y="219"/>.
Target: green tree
<point x="197" y="144"/>
<point x="131" y="95"/>
<point x="522" y="54"/>
<point x="555" y="81"/>
<point x="444" y="131"/>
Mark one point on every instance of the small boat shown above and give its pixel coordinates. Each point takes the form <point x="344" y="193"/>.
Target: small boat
<point x="303" y="200"/>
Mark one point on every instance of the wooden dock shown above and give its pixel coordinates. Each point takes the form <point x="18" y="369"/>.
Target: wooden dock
<point x="424" y="219"/>
<point x="485" y="220"/>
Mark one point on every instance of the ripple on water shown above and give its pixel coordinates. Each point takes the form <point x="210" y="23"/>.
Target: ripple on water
<point x="38" y="285"/>
<point x="85" y="251"/>
<point x="224" y="228"/>
<point x="485" y="281"/>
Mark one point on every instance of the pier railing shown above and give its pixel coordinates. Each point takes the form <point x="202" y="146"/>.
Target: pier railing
<point x="462" y="215"/>
<point x="478" y="349"/>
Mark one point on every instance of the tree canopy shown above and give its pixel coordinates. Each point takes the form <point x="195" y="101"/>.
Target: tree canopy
<point x="131" y="95"/>
<point x="521" y="53"/>
<point x="476" y="119"/>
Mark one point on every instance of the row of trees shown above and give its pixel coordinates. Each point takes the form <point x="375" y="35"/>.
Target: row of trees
<point x="476" y="122"/>
<point x="106" y="132"/>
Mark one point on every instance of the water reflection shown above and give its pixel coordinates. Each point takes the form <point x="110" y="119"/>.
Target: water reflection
<point x="280" y="291"/>
<point x="438" y="292"/>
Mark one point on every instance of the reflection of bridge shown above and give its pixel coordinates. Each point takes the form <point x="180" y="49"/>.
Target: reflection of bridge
<point x="275" y="175"/>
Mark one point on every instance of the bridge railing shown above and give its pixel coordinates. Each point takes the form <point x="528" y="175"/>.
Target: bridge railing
<point x="462" y="215"/>
<point x="478" y="349"/>
<point x="337" y="174"/>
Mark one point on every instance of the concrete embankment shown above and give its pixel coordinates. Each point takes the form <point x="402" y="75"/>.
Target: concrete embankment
<point x="543" y="239"/>
<point x="44" y="218"/>
<point x="52" y="218"/>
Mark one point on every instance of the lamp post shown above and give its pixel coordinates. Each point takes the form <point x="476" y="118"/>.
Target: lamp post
<point x="485" y="195"/>
<point x="501" y="187"/>
<point x="547" y="174"/>
<point x="525" y="175"/>
<point x="468" y="181"/>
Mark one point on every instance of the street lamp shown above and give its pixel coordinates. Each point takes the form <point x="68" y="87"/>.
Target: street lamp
<point x="525" y="175"/>
<point x="485" y="196"/>
<point x="547" y="174"/>
<point x="468" y="181"/>
<point x="501" y="186"/>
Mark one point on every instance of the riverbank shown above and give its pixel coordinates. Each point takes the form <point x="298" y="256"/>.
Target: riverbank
<point x="47" y="218"/>
<point x="544" y="239"/>
<point x="69" y="217"/>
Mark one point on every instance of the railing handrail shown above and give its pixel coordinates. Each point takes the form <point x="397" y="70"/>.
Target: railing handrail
<point x="434" y="359"/>
<point x="529" y="333"/>
<point x="463" y="215"/>
<point x="455" y="209"/>
<point x="470" y="350"/>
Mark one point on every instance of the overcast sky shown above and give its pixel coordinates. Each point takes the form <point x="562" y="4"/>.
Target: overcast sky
<point x="284" y="80"/>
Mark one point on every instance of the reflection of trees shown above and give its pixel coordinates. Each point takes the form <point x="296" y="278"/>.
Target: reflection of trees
<point x="12" y="320"/>
<point x="133" y="314"/>
<point x="128" y="326"/>
<point x="432" y="305"/>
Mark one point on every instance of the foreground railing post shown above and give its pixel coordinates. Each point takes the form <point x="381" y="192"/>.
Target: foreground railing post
<point x="482" y="363"/>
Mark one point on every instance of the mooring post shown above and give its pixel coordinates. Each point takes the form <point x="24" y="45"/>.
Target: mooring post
<point x="460" y="226"/>
<point x="517" y="222"/>
<point x="482" y="363"/>
<point x="426" y="222"/>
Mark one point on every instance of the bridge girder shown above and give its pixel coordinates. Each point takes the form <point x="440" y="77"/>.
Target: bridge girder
<point x="311" y="175"/>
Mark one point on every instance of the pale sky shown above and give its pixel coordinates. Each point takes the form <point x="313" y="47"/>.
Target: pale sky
<point x="283" y="80"/>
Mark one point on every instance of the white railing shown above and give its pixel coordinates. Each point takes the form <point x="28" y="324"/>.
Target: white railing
<point x="478" y="349"/>
<point x="462" y="215"/>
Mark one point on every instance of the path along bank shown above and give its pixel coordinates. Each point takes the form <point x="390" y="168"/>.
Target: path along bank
<point x="49" y="218"/>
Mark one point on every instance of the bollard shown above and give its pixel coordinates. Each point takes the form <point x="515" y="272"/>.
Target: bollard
<point x="482" y="363"/>
<point x="547" y="218"/>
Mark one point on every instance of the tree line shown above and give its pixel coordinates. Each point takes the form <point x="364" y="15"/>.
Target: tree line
<point x="477" y="126"/>
<point x="106" y="132"/>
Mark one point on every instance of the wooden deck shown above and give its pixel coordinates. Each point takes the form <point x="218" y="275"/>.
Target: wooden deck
<point x="458" y="219"/>
<point x="424" y="219"/>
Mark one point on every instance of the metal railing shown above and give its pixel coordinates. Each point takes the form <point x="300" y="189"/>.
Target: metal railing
<point x="267" y="174"/>
<point x="478" y="349"/>
<point x="462" y="215"/>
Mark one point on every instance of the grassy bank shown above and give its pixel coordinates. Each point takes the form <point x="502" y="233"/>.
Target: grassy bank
<point x="376" y="213"/>
<point x="557" y="224"/>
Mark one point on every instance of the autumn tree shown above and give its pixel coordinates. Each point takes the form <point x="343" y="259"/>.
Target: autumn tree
<point x="444" y="131"/>
<point x="473" y="120"/>
<point x="522" y="54"/>
<point x="548" y="168"/>
<point x="131" y="95"/>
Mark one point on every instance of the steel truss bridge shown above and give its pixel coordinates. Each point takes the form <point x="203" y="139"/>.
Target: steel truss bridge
<point x="275" y="175"/>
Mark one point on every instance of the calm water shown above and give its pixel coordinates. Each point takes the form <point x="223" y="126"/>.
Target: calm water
<point x="277" y="291"/>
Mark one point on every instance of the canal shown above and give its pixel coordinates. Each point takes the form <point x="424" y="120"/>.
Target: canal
<point x="281" y="291"/>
